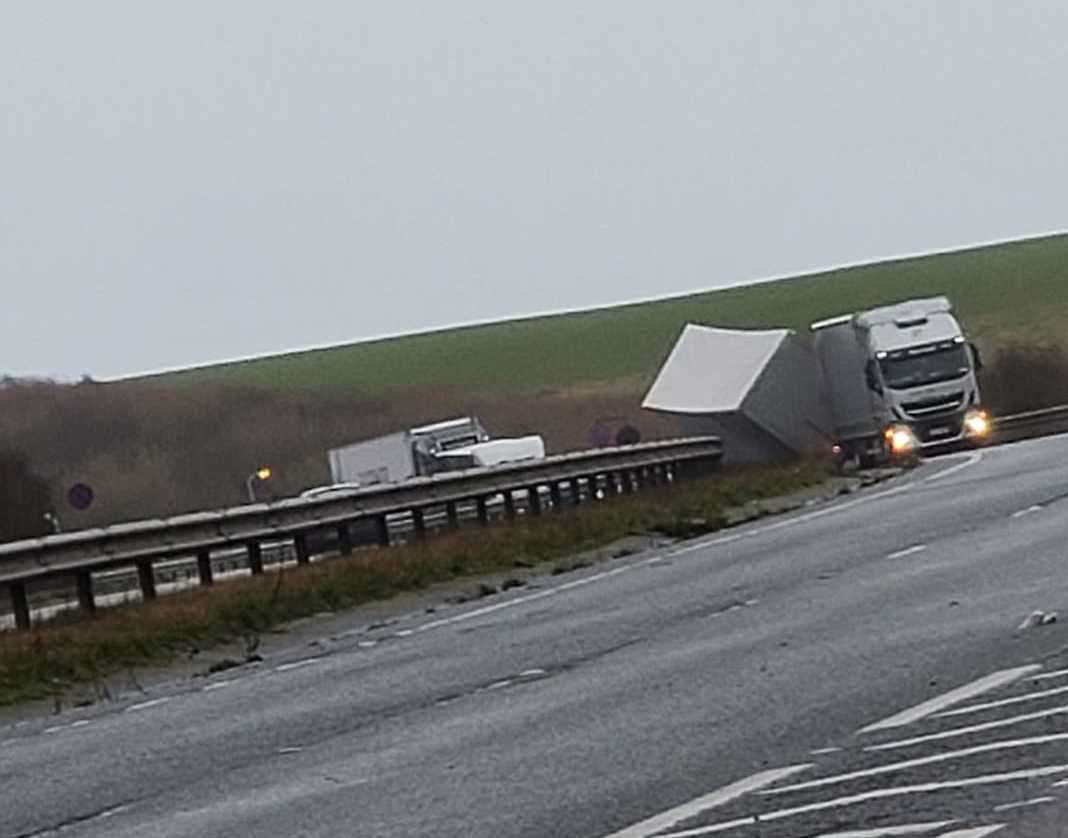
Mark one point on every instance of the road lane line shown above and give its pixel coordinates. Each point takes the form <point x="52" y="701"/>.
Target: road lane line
<point x="484" y="611"/>
<point x="791" y="522"/>
<point x="977" y="832"/>
<point x="908" y="551"/>
<point x="891" y="831"/>
<point x="144" y="705"/>
<point x="286" y="667"/>
<point x="218" y="685"/>
<point x="939" y="703"/>
<point x="876" y="794"/>
<point x="965" y="731"/>
<point x="824" y="751"/>
<point x="1023" y="513"/>
<point x="1005" y="702"/>
<point x="948" y="756"/>
<point x="972" y="460"/>
<point x="668" y="819"/>
<point x="1049" y="676"/>
<point x="1024" y="804"/>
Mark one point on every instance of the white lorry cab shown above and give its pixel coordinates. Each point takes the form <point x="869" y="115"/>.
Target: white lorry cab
<point x="902" y="379"/>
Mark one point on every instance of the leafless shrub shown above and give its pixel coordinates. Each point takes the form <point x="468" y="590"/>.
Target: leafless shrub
<point x="1023" y="377"/>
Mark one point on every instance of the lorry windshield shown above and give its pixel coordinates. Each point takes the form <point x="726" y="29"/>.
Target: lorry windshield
<point x="916" y="367"/>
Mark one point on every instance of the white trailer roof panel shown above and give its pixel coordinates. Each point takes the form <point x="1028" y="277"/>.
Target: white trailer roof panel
<point x="712" y="370"/>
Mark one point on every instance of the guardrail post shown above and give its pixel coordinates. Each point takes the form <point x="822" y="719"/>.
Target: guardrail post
<point x="534" y="500"/>
<point x="382" y="528"/>
<point x="453" y="515"/>
<point x="419" y="523"/>
<point x="555" y="495"/>
<point x="509" y="505"/>
<point x="483" y="510"/>
<point x="83" y="581"/>
<point x="576" y="489"/>
<point x="255" y="557"/>
<point x="300" y="547"/>
<point x="344" y="538"/>
<point x="204" y="568"/>
<point x="146" y="578"/>
<point x="20" y="605"/>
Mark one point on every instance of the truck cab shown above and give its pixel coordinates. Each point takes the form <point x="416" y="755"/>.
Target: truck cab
<point x="923" y="370"/>
<point x="902" y="380"/>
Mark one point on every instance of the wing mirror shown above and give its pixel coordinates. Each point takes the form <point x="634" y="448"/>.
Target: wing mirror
<point x="872" y="378"/>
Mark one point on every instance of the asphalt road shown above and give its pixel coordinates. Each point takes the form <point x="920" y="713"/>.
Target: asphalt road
<point x="676" y="693"/>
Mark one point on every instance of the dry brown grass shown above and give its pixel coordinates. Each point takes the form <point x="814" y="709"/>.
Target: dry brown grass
<point x="50" y="658"/>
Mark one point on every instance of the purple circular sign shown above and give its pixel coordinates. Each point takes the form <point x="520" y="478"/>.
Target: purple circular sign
<point x="80" y="496"/>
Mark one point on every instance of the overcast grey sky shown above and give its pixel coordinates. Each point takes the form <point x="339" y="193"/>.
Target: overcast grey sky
<point x="188" y="182"/>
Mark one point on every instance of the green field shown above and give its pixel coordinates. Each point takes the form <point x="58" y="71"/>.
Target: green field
<point x="1015" y="292"/>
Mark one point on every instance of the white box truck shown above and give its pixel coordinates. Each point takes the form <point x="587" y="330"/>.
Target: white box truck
<point x="430" y="449"/>
<point x="405" y="454"/>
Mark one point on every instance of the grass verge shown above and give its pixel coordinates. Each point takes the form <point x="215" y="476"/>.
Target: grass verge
<point x="54" y="657"/>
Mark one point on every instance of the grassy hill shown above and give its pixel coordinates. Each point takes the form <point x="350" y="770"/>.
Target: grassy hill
<point x="1015" y="292"/>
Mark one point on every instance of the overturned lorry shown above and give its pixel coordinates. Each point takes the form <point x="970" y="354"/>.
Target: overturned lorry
<point x="893" y="381"/>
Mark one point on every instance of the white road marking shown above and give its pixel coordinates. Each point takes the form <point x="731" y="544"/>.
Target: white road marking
<point x="824" y="751"/>
<point x="499" y="685"/>
<point x="218" y="685"/>
<point x="532" y="673"/>
<point x="891" y="831"/>
<point x="877" y="794"/>
<point x="1023" y="513"/>
<point x="1049" y="676"/>
<point x="367" y="644"/>
<point x="972" y="460"/>
<point x="948" y="756"/>
<point x="791" y="522"/>
<point x="80" y="723"/>
<point x="486" y="610"/>
<point x="1024" y="804"/>
<point x="964" y="731"/>
<point x="977" y="832"/>
<point x="1005" y="702"/>
<point x="286" y="667"/>
<point x="290" y="750"/>
<point x="144" y="705"/>
<point x="939" y="703"/>
<point x="404" y="633"/>
<point x="908" y="551"/>
<point x="668" y="819"/>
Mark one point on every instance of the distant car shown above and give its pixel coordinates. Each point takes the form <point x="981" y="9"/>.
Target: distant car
<point x="329" y="491"/>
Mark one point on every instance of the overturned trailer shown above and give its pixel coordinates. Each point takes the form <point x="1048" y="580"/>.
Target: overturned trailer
<point x="761" y="391"/>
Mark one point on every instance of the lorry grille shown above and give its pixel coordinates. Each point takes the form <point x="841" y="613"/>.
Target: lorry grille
<point x="942" y="404"/>
<point x="934" y="431"/>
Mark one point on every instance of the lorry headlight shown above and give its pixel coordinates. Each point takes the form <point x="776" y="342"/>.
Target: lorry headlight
<point x="976" y="423"/>
<point x="900" y="439"/>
